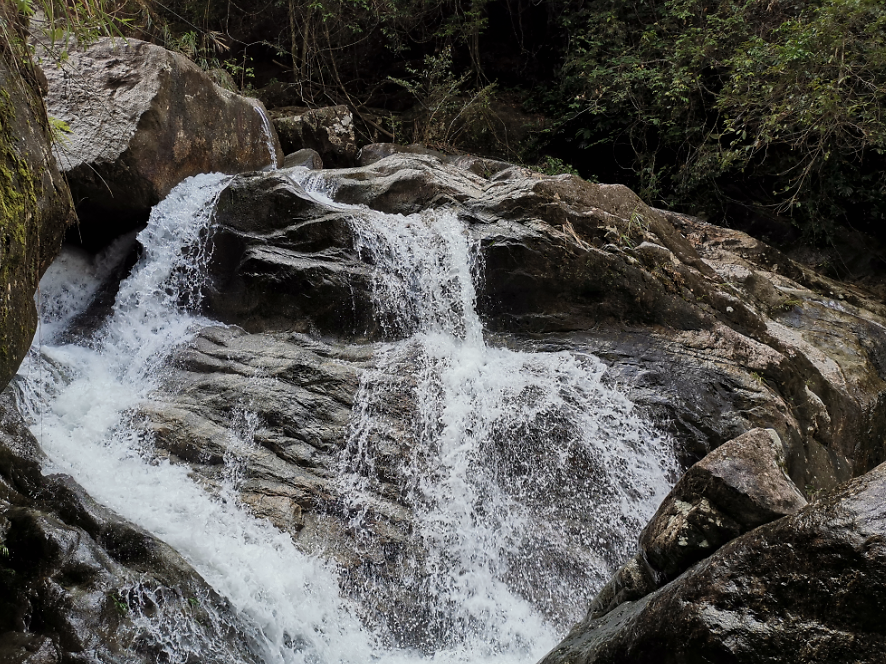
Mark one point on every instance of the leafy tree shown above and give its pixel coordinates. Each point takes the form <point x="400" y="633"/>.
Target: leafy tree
<point x="764" y="103"/>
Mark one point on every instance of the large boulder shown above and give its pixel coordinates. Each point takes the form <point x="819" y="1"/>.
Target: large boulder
<point x="805" y="588"/>
<point x="328" y="130"/>
<point x="284" y="261"/>
<point x="709" y="330"/>
<point x="35" y="208"/>
<point x="737" y="487"/>
<point x="142" y="119"/>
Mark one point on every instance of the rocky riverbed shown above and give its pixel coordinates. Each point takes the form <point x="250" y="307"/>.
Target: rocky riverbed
<point x="694" y="359"/>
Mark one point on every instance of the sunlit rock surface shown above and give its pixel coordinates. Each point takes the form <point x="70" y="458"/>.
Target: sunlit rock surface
<point x="141" y="120"/>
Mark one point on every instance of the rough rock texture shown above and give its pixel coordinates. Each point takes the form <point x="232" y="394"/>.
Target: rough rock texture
<point x="806" y="588"/>
<point x="708" y="329"/>
<point x="306" y="158"/>
<point x="328" y="130"/>
<point x="81" y="584"/>
<point x="143" y="119"/>
<point x="35" y="210"/>
<point x="737" y="487"/>
<point x="369" y="154"/>
<point x="301" y="392"/>
<point x="300" y="280"/>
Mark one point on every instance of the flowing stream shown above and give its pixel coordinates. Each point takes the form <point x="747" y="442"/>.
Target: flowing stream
<point x="528" y="477"/>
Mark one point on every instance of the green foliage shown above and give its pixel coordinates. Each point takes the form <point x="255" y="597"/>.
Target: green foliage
<point x="118" y="603"/>
<point x="58" y="128"/>
<point x="241" y="70"/>
<point x="780" y="105"/>
<point x="202" y="47"/>
<point x="554" y="166"/>
<point x="446" y="107"/>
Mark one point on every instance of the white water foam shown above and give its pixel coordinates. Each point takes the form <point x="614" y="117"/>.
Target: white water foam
<point x="516" y="460"/>
<point x="288" y="601"/>
<point x="529" y="479"/>
<point x="269" y="136"/>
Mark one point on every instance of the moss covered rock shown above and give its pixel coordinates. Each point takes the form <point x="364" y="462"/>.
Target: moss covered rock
<point x="35" y="209"/>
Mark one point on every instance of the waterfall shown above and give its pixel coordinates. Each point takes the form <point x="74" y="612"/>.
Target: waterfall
<point x="80" y="400"/>
<point x="269" y="135"/>
<point x="526" y="475"/>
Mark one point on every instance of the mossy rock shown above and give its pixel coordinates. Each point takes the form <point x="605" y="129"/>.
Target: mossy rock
<point x="35" y="209"/>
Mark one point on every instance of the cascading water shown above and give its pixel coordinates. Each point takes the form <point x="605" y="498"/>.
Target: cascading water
<point x="526" y="477"/>
<point x="80" y="399"/>
<point x="268" y="134"/>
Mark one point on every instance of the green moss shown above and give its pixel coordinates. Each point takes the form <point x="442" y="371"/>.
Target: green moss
<point x="19" y="240"/>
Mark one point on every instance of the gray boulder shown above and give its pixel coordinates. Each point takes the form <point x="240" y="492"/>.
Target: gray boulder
<point x="283" y="261"/>
<point x="306" y="158"/>
<point x="737" y="487"/>
<point x="143" y="119"/>
<point x="369" y="154"/>
<point x="805" y="588"/>
<point x="328" y="130"/>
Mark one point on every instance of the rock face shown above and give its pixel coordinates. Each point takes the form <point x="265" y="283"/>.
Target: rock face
<point x="306" y="158"/>
<point x="709" y="332"/>
<point x="81" y="584"/>
<point x="714" y="334"/>
<point x="735" y="488"/>
<point x="329" y="131"/>
<point x="142" y="119"/>
<point x="808" y="588"/>
<point x="708" y="329"/>
<point x="303" y="279"/>
<point x="35" y="210"/>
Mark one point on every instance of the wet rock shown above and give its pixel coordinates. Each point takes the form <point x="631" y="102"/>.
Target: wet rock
<point x="299" y="392"/>
<point x="486" y="168"/>
<point x="306" y="158"/>
<point x="282" y="260"/>
<point x="22" y="648"/>
<point x="35" y="208"/>
<point x="142" y="119"/>
<point x="633" y="580"/>
<point x="807" y="587"/>
<point x="79" y="583"/>
<point x="328" y="130"/>
<point x="706" y="329"/>
<point x="737" y="487"/>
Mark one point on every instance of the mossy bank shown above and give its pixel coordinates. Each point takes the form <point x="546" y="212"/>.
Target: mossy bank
<point x="35" y="207"/>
